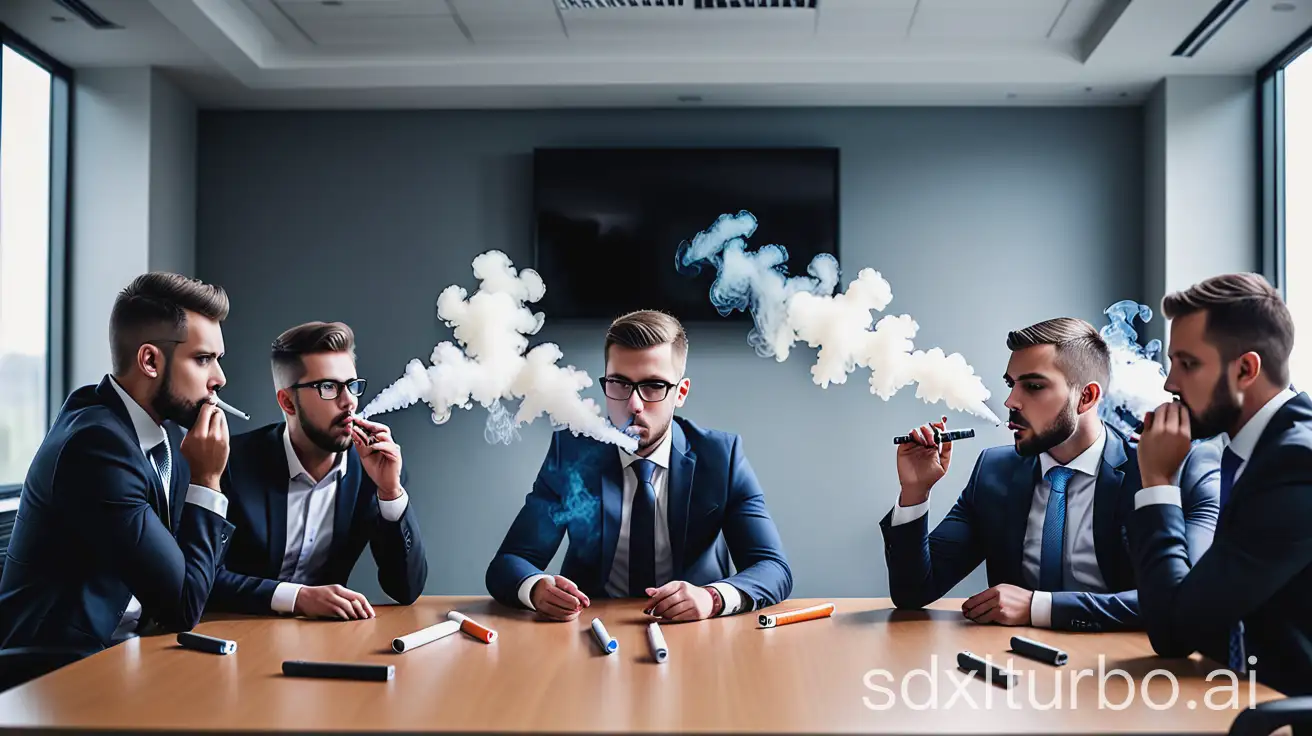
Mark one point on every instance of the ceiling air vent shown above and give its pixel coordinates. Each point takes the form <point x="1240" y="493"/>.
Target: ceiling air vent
<point x="731" y="4"/>
<point x="606" y="4"/>
<point x="1221" y="14"/>
<point x="88" y="14"/>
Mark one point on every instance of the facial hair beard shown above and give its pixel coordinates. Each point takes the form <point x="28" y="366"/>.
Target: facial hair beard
<point x="322" y="438"/>
<point x="1220" y="415"/>
<point x="169" y="406"/>
<point x="1062" y="429"/>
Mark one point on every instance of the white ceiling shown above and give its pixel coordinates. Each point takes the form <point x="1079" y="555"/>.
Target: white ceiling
<point x="557" y="53"/>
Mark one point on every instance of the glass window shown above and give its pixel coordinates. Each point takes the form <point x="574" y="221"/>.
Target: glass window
<point x="25" y="168"/>
<point x="1298" y="218"/>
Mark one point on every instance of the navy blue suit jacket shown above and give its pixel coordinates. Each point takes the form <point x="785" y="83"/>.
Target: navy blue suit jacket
<point x="256" y="485"/>
<point x="89" y="534"/>
<point x="988" y="522"/>
<point x="1258" y="570"/>
<point x="714" y="499"/>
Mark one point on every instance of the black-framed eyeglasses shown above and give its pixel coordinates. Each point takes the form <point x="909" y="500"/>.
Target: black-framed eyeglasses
<point x="620" y="389"/>
<point x="329" y="389"/>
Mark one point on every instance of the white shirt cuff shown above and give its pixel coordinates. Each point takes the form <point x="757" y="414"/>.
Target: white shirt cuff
<point x="1157" y="494"/>
<point x="208" y="499"/>
<point x="907" y="514"/>
<point x="284" y="597"/>
<point x="1041" y="610"/>
<point x="526" y="590"/>
<point x="733" y="600"/>
<point x="392" y="510"/>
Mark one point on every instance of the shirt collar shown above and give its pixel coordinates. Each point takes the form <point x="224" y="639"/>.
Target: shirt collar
<point x="1086" y="462"/>
<point x="1245" y="441"/>
<point x="148" y="432"/>
<point x="294" y="467"/>
<point x="660" y="455"/>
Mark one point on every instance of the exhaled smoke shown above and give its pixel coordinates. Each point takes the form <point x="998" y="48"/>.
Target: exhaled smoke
<point x="1138" y="380"/>
<point x="490" y="365"/>
<point x="786" y="309"/>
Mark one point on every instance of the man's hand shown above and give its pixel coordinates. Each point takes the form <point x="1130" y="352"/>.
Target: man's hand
<point x="558" y="598"/>
<point x="380" y="456"/>
<point x="922" y="462"/>
<point x="1002" y="604"/>
<point x="680" y="601"/>
<point x="1164" y="445"/>
<point x="331" y="601"/>
<point x="206" y="447"/>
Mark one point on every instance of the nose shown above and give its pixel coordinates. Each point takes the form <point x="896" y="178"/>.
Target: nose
<point x="635" y="404"/>
<point x="1171" y="386"/>
<point x="346" y="400"/>
<point x="1012" y="403"/>
<point x="218" y="380"/>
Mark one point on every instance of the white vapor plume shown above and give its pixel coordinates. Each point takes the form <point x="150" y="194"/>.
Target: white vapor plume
<point x="1138" y="379"/>
<point x="489" y="364"/>
<point x="786" y="309"/>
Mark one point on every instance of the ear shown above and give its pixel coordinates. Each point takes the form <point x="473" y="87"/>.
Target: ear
<point x="1090" y="395"/>
<point x="1249" y="368"/>
<point x="150" y="360"/>
<point x="285" y="402"/>
<point x="681" y="392"/>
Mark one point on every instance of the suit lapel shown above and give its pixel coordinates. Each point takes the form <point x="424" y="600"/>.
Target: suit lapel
<point x="110" y="398"/>
<point x="1106" y="499"/>
<point x="1020" y="496"/>
<point x="612" y="509"/>
<point x="348" y="491"/>
<point x="275" y="475"/>
<point x="1282" y="421"/>
<point x="682" y="463"/>
<point x="177" y="484"/>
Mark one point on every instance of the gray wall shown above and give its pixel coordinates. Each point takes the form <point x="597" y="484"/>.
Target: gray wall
<point x="1200" y="153"/>
<point x="982" y="220"/>
<point x="134" y="197"/>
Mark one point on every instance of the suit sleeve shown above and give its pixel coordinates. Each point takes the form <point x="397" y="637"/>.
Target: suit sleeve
<point x="398" y="552"/>
<point x="764" y="575"/>
<point x="533" y="538"/>
<point x="1200" y="481"/>
<point x="923" y="567"/>
<point x="237" y="593"/>
<point x="1265" y="544"/>
<point x="108" y="507"/>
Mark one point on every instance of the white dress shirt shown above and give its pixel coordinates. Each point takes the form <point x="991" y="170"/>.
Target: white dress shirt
<point x="311" y="511"/>
<point x="150" y="434"/>
<point x="617" y="583"/>
<point x="1081" y="571"/>
<point x="1243" y="445"/>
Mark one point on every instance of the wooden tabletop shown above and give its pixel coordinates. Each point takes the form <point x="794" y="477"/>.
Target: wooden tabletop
<point x="845" y="674"/>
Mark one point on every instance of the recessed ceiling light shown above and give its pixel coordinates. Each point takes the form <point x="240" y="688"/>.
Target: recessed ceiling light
<point x="1284" y="7"/>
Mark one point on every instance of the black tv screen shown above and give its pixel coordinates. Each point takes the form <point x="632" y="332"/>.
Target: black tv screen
<point x="609" y="221"/>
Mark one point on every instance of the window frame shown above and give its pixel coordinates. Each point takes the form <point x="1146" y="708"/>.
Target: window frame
<point x="61" y="119"/>
<point x="1271" y="159"/>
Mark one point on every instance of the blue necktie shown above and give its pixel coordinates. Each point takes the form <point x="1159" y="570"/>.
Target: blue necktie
<point x="642" y="531"/>
<point x="1230" y="462"/>
<point x="1051" y="559"/>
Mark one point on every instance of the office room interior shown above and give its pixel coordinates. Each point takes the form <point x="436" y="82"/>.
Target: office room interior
<point x="787" y="178"/>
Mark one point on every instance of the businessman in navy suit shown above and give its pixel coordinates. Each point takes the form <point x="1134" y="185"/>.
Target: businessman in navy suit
<point x="663" y="524"/>
<point x="1046" y="516"/>
<point x="1247" y="602"/>
<point x="121" y="526"/>
<point x="308" y="494"/>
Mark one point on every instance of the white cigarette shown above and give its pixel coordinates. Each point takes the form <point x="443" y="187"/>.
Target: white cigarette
<point x="656" y="639"/>
<point x="424" y="636"/>
<point x="231" y="409"/>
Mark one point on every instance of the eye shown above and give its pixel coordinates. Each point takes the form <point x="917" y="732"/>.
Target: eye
<point x="1034" y="387"/>
<point x="204" y="359"/>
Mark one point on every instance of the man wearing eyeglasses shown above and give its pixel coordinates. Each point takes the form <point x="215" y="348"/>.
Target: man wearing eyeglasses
<point x="659" y="525"/>
<point x="308" y="494"/>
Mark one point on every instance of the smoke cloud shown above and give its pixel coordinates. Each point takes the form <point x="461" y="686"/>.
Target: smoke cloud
<point x="1138" y="378"/>
<point x="489" y="363"/>
<point x="786" y="309"/>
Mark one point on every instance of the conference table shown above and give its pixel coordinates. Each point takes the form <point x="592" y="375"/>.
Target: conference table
<point x="868" y="668"/>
